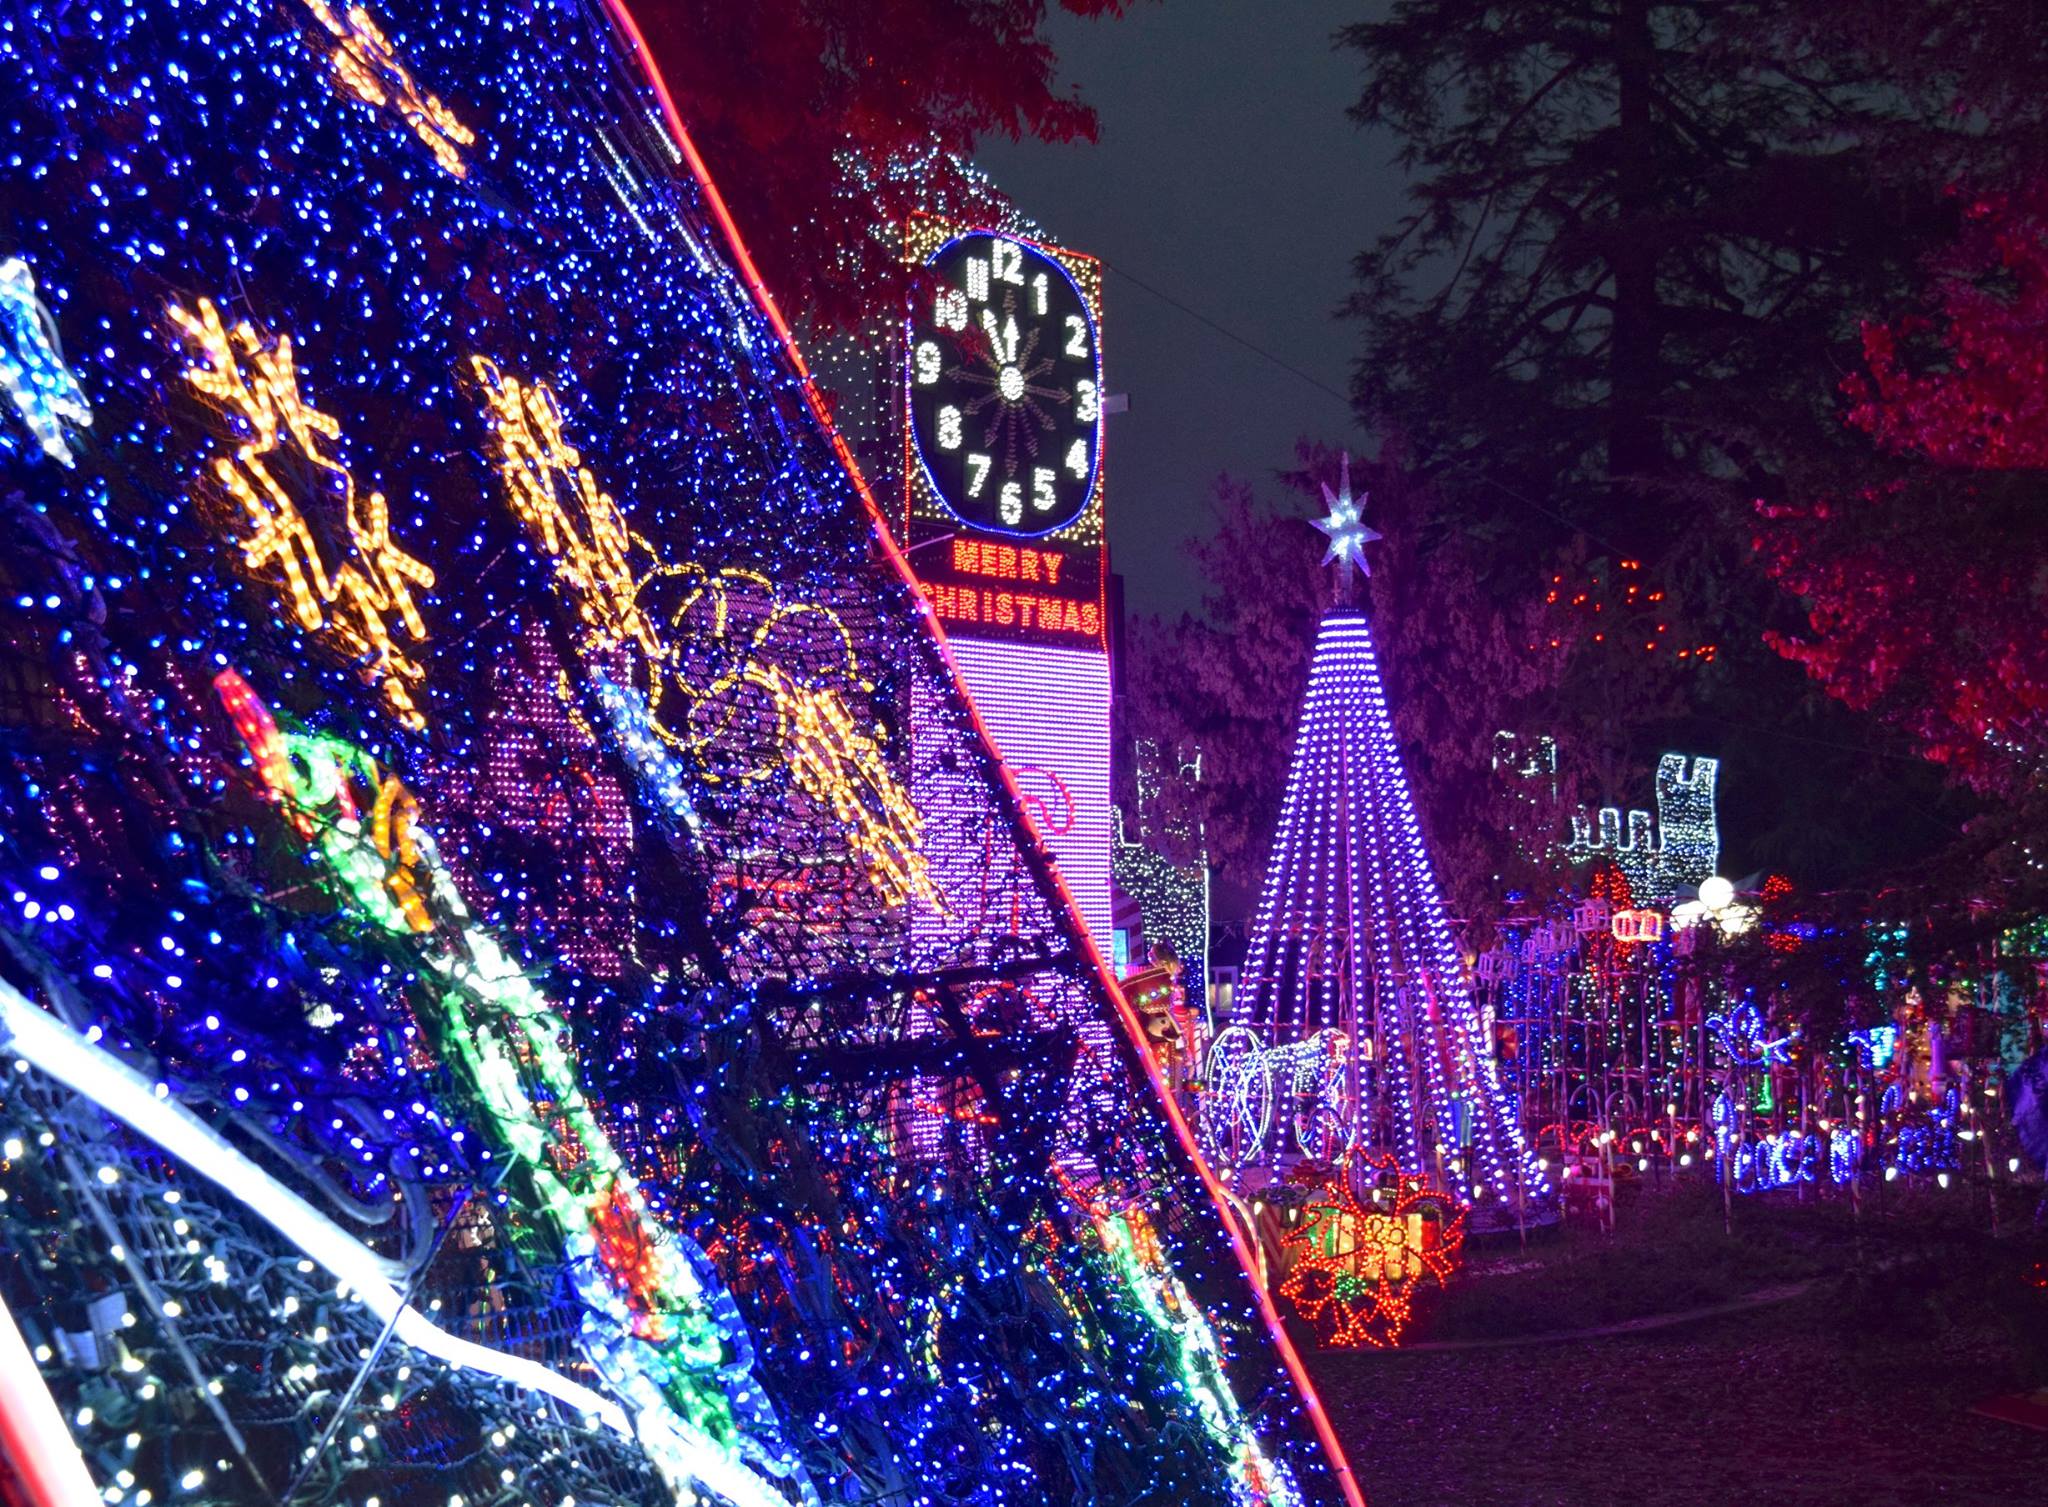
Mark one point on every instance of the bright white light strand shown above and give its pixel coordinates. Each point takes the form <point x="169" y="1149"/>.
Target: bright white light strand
<point x="32" y="371"/>
<point x="47" y="1044"/>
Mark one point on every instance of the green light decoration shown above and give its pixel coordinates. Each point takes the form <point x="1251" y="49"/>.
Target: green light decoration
<point x="1132" y="1246"/>
<point x="658" y="1327"/>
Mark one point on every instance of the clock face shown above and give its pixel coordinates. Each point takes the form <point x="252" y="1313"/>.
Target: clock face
<point x="1006" y="387"/>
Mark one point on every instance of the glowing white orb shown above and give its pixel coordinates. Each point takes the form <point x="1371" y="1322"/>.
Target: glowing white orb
<point x="1716" y="893"/>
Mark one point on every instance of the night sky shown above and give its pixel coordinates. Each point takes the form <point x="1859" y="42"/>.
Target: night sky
<point x="1229" y="179"/>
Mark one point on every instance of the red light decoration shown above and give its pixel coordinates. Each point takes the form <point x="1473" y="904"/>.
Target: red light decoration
<point x="1355" y="1268"/>
<point x="632" y="1260"/>
<point x="1015" y="609"/>
<point x="1638" y="926"/>
<point x="258" y="728"/>
<point x="1615" y="599"/>
<point x="1007" y="562"/>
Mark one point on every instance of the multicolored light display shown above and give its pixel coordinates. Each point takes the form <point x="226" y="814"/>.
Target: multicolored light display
<point x="1048" y="711"/>
<point x="677" y="1352"/>
<point x="577" y="973"/>
<point x="1354" y="1268"/>
<point x="1645" y="1056"/>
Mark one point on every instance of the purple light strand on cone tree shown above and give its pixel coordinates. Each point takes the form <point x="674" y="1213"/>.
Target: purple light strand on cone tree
<point x="1351" y="934"/>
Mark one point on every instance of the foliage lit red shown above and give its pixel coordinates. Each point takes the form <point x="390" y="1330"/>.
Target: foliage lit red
<point x="1924" y="586"/>
<point x="801" y="107"/>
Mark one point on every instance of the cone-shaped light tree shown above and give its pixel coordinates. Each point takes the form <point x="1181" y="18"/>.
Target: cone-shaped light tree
<point x="1351" y="936"/>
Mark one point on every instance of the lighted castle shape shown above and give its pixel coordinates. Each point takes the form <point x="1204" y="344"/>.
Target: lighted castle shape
<point x="1681" y="848"/>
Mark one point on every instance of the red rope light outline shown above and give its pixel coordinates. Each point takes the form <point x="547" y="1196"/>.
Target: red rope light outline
<point x="1133" y="1033"/>
<point x="1044" y="806"/>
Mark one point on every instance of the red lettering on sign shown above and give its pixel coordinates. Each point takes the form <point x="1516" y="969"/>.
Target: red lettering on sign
<point x="1046" y="614"/>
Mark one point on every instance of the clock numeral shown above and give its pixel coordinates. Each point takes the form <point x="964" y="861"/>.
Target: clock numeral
<point x="1087" y="407"/>
<point x="978" y="467"/>
<point x="1008" y="261"/>
<point x="1077" y="337"/>
<point x="1039" y="292"/>
<point x="949" y="428"/>
<point x="1010" y="506"/>
<point x="1077" y="459"/>
<point x="977" y="279"/>
<point x="949" y="310"/>
<point x="1043" y="497"/>
<point x="927" y="362"/>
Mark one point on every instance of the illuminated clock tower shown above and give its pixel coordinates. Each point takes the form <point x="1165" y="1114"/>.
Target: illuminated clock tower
<point x="1003" y="517"/>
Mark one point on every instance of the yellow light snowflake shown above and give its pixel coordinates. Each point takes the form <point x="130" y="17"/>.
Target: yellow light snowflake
<point x="255" y="387"/>
<point x="368" y="67"/>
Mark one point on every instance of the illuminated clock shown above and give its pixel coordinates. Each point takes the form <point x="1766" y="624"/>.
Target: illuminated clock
<point x="1005" y="383"/>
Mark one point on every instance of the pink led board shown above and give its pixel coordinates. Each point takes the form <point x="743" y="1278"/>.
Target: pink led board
<point x="1047" y="711"/>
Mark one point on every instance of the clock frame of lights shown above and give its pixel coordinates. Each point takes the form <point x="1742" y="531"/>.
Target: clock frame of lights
<point x="1003" y="386"/>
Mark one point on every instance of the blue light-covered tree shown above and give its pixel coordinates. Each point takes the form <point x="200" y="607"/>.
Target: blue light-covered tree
<point x="456" y="713"/>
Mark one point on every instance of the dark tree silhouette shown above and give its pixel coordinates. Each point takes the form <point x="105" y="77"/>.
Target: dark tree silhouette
<point x="826" y="122"/>
<point x="1636" y="228"/>
<point x="1640" y="241"/>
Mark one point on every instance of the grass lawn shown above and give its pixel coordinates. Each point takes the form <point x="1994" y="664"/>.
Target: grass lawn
<point x="1856" y="1392"/>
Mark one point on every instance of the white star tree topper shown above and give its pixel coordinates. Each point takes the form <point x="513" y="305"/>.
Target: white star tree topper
<point x="1345" y="527"/>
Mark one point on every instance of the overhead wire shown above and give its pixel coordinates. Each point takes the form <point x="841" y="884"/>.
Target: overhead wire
<point x="1273" y="359"/>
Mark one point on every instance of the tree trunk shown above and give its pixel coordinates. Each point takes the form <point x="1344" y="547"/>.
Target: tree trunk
<point x="1635" y="450"/>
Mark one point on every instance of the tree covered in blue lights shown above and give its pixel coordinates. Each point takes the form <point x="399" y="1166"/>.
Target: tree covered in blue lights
<point x="456" y="715"/>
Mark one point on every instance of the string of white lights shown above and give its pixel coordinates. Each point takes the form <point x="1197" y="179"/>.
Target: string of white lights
<point x="50" y="1046"/>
